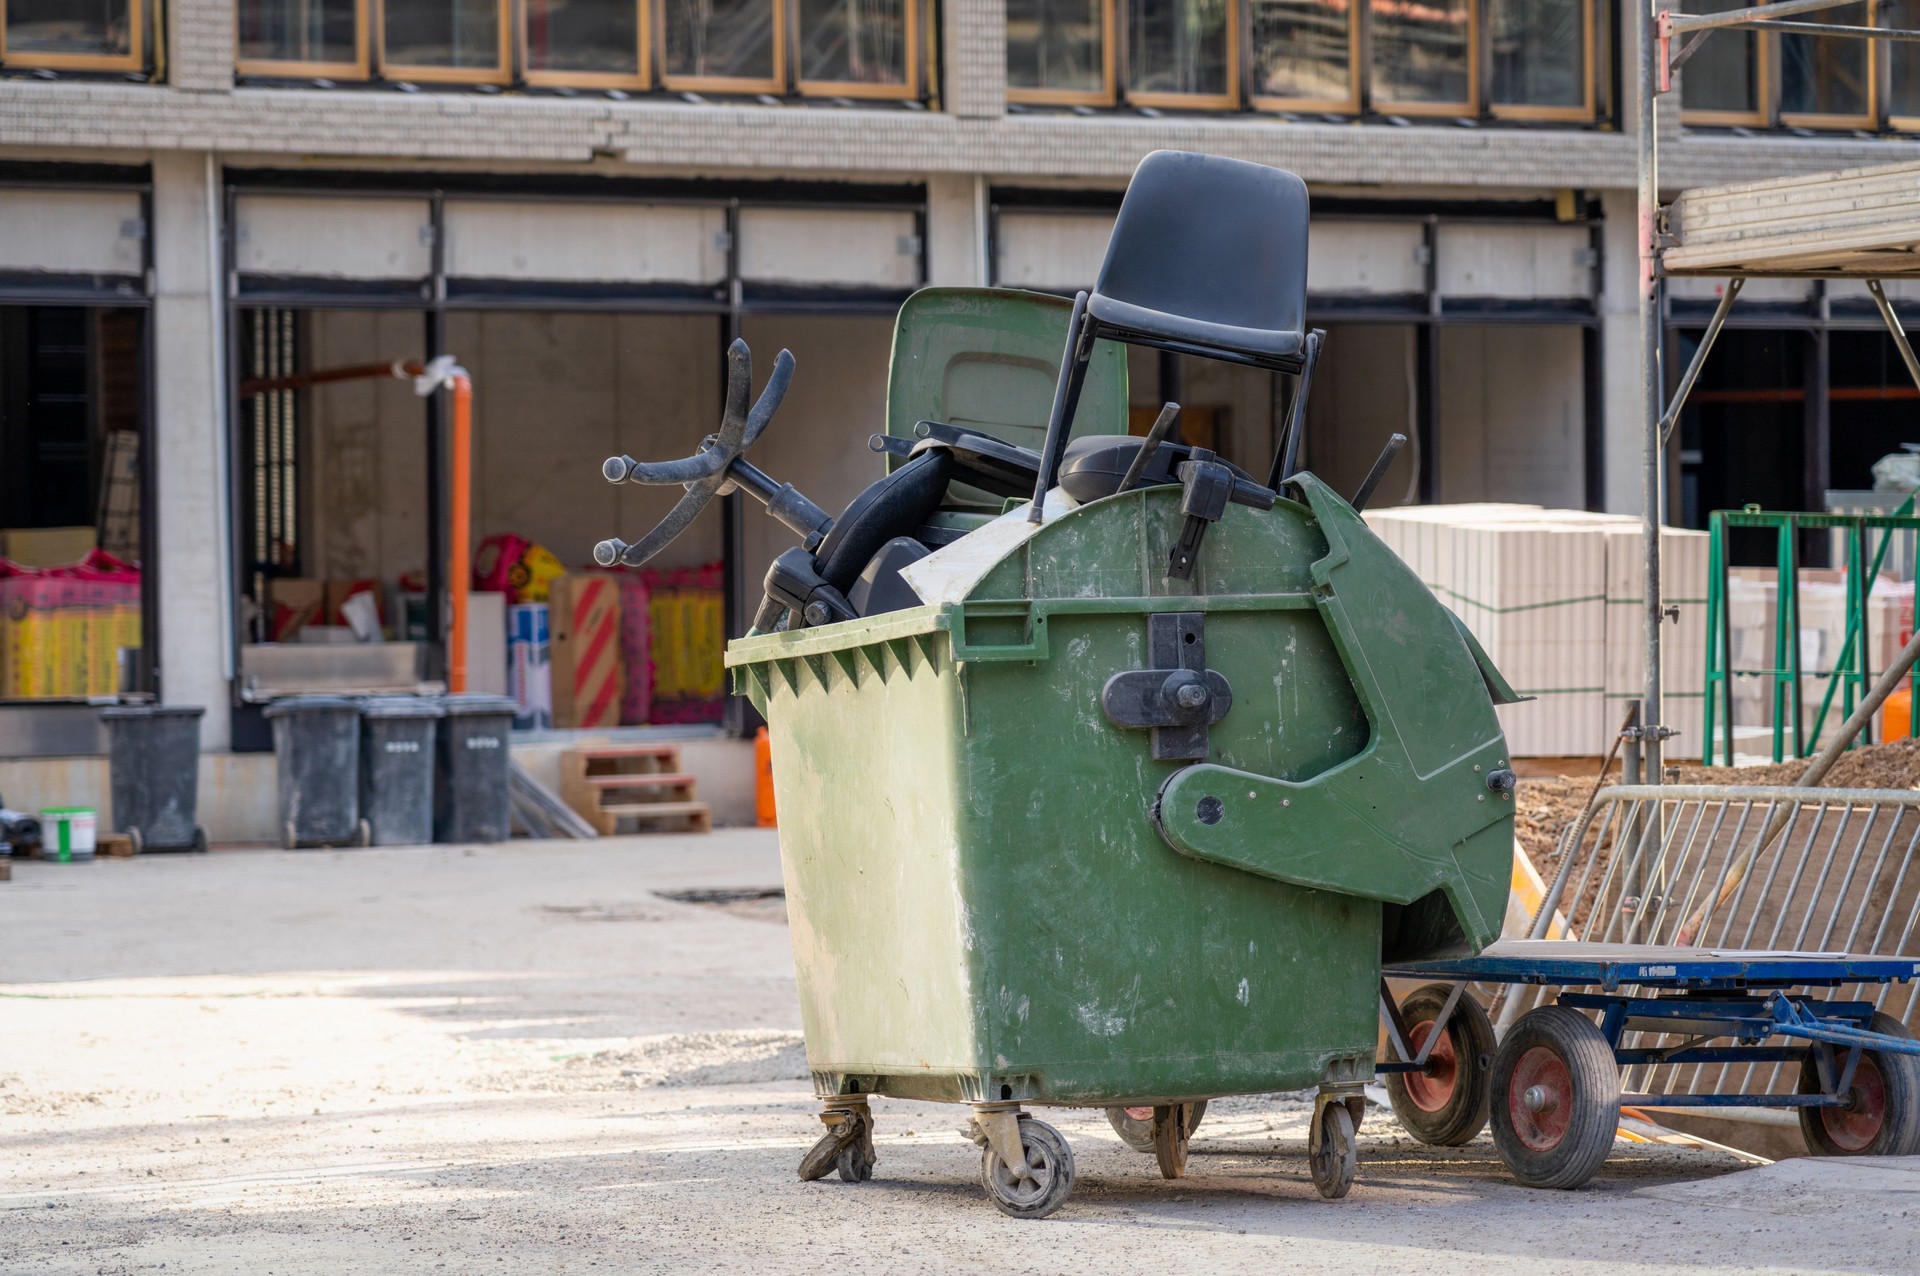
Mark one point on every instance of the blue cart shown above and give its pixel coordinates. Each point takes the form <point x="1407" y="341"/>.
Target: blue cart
<point x="1551" y="1086"/>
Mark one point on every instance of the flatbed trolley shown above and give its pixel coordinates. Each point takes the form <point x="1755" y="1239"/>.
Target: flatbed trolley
<point x="1551" y="1088"/>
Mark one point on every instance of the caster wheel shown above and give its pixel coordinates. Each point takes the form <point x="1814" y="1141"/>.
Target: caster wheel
<point x="199" y="841"/>
<point x="1336" y="1159"/>
<point x="1172" y="1127"/>
<point x="855" y="1162"/>
<point x="1446" y="1105"/>
<point x="138" y="842"/>
<point x="1882" y="1116"/>
<point x="287" y="838"/>
<point x="1135" y="1125"/>
<point x="363" y="834"/>
<point x="1555" y="1098"/>
<point x="1049" y="1179"/>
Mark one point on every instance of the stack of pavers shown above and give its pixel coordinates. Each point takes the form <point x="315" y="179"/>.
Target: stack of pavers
<point x="1555" y="598"/>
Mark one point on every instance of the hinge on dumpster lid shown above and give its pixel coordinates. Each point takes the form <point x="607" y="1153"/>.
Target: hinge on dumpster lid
<point x="1179" y="698"/>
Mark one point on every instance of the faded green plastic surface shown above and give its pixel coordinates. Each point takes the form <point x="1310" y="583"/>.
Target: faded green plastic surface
<point x="988" y="358"/>
<point x="981" y="902"/>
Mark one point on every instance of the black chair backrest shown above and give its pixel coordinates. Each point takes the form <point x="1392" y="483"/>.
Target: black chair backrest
<point x="1218" y="240"/>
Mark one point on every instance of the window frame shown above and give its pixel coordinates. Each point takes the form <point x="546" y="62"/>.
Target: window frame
<point x="1107" y="95"/>
<point x="1356" y="70"/>
<point x="1469" y="109"/>
<point x="905" y="91"/>
<point x="775" y="84"/>
<point x="1581" y="114"/>
<point x="1229" y="100"/>
<point x="501" y="72"/>
<point x="1842" y="123"/>
<point x="1761" y="115"/>
<point x="277" y="68"/>
<point x="135" y="59"/>
<point x="641" y="78"/>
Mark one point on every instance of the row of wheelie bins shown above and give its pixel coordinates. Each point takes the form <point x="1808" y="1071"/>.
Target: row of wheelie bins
<point x="392" y="770"/>
<point x="374" y="771"/>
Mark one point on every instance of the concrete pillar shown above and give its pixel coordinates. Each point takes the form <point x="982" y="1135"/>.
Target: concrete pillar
<point x="957" y="230"/>
<point x="200" y="45"/>
<point x="1620" y="352"/>
<point x="189" y="441"/>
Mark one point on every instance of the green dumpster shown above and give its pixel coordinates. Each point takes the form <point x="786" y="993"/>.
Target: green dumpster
<point x="1108" y="774"/>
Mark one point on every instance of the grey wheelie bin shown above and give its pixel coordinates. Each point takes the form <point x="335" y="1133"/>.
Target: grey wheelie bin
<point x="154" y="756"/>
<point x="316" y="744"/>
<point x="397" y="735"/>
<point x="471" y="798"/>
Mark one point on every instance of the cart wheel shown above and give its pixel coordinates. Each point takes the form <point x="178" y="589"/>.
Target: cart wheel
<point x="1334" y="1163"/>
<point x="1135" y="1125"/>
<point x="1172" y="1127"/>
<point x="1049" y="1173"/>
<point x="287" y="839"/>
<point x="1446" y="1105"/>
<point x="364" y="833"/>
<point x="1882" y="1117"/>
<point x="1555" y="1098"/>
<point x="856" y="1160"/>
<point x="199" y="841"/>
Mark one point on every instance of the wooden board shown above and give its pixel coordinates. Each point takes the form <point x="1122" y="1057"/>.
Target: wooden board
<point x="1859" y="223"/>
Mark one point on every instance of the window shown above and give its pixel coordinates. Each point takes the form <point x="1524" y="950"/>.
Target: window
<point x="452" y="40"/>
<point x="1903" y="91"/>
<point x="75" y="35"/>
<point x="724" y="45"/>
<point x="1303" y="53"/>
<point x="1826" y="82"/>
<point x="1422" y="55"/>
<point x="858" y="48"/>
<point x="588" y="42"/>
<point x="1182" y="53"/>
<point x="302" y="37"/>
<point x="1059" y="51"/>
<point x="1508" y="59"/>
<point x="1538" y="58"/>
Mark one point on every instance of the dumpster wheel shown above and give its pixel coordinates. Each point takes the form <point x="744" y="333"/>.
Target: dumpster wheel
<point x="1445" y="1105"/>
<point x="1042" y="1185"/>
<point x="847" y="1146"/>
<point x="1134" y="1125"/>
<point x="1333" y="1156"/>
<point x="1172" y="1128"/>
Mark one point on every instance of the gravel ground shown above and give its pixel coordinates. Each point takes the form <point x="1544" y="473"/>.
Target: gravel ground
<point x="530" y="1058"/>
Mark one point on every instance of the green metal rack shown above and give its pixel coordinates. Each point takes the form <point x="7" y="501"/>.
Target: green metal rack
<point x="1852" y="673"/>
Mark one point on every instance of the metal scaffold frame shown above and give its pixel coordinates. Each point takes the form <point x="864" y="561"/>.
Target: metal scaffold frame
<point x="1660" y="31"/>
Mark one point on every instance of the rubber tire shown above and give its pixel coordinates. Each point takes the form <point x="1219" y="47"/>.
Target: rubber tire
<point x="1170" y="1143"/>
<point x="1594" y="1100"/>
<point x="287" y="839"/>
<point x="855" y="1162"/>
<point x="1137" y="1133"/>
<point x="199" y="840"/>
<point x="1334" y="1166"/>
<point x="363" y="833"/>
<point x="138" y="842"/>
<point x="1470" y="1033"/>
<point x="1045" y="1145"/>
<point x="1899" y="1132"/>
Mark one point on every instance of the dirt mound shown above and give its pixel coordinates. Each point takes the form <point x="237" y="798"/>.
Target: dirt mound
<point x="1544" y="808"/>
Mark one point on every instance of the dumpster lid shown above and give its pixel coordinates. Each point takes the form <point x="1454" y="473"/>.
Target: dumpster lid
<point x="462" y="706"/>
<point x="401" y="707"/>
<point x="154" y="711"/>
<point x="310" y="704"/>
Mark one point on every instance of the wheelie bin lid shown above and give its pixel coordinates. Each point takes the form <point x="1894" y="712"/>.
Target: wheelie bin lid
<point x="154" y="711"/>
<point x="467" y="706"/>
<point x="309" y="704"/>
<point x="401" y="707"/>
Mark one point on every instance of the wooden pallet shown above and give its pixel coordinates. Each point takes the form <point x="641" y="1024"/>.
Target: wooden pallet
<point x="608" y="783"/>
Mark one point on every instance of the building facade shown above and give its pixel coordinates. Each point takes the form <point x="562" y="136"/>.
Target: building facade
<point x="583" y="201"/>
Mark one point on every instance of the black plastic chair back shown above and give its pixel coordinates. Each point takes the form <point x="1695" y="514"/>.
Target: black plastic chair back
<point x="1208" y="256"/>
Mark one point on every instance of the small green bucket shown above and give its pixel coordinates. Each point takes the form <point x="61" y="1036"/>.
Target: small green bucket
<point x="69" y="832"/>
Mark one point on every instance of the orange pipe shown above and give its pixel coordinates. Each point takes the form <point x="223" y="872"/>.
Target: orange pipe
<point x="459" y="570"/>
